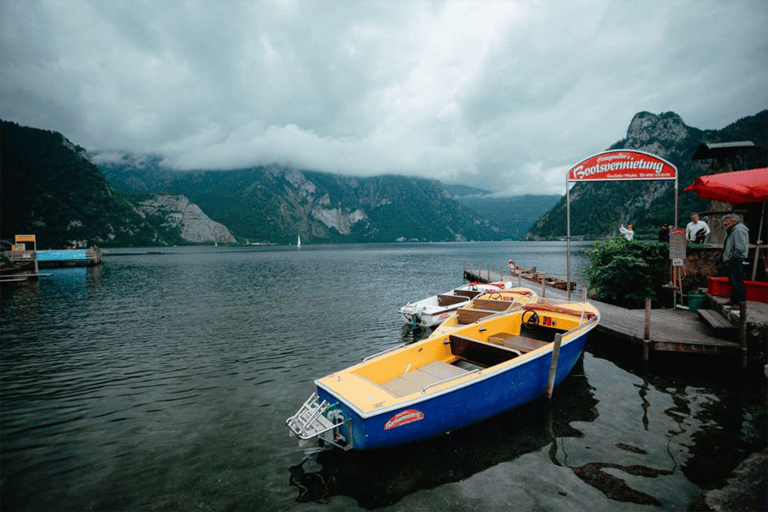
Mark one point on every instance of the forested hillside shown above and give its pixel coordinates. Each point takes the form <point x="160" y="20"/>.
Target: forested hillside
<point x="598" y="208"/>
<point x="52" y="190"/>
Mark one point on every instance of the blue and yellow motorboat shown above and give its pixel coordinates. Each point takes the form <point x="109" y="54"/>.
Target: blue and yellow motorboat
<point x="448" y="381"/>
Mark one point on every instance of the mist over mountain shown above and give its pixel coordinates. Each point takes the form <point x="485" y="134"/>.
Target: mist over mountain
<point x="65" y="195"/>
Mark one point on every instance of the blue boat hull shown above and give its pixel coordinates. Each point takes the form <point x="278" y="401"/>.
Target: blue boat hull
<point x="485" y="397"/>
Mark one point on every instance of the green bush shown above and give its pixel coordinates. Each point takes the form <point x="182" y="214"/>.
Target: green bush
<point x="625" y="273"/>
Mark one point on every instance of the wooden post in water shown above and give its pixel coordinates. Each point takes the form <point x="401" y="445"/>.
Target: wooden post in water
<point x="743" y="333"/>
<point x="543" y="290"/>
<point x="553" y="365"/>
<point x="647" y="333"/>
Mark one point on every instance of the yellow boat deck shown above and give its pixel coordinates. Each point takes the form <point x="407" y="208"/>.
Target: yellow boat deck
<point x="406" y="373"/>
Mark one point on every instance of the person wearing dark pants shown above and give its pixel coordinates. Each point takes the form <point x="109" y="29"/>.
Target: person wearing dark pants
<point x="735" y="250"/>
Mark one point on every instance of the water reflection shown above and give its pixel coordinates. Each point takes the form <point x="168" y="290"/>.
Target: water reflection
<point x="717" y="410"/>
<point x="381" y="478"/>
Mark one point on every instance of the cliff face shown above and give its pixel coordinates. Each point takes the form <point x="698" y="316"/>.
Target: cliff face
<point x="277" y="203"/>
<point x="656" y="134"/>
<point x="177" y="213"/>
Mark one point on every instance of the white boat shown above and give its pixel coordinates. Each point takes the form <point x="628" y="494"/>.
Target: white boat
<point x="433" y="310"/>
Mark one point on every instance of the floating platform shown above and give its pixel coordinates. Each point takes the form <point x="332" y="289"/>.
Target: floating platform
<point x="57" y="258"/>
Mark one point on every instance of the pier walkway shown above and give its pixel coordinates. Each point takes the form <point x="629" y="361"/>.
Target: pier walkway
<point x="670" y="330"/>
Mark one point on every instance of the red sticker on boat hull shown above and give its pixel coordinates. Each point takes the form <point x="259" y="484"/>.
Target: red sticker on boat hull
<point x="404" y="418"/>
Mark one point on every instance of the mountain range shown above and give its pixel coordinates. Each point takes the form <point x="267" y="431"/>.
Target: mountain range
<point x="67" y="195"/>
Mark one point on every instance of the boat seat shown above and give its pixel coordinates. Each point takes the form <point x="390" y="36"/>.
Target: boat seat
<point x="467" y="293"/>
<point x="413" y="381"/>
<point x="480" y="352"/>
<point x="491" y="305"/>
<point x="521" y="343"/>
<point x="467" y="316"/>
<point x="449" y="300"/>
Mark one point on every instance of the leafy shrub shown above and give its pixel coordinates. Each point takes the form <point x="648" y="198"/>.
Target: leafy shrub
<point x="626" y="273"/>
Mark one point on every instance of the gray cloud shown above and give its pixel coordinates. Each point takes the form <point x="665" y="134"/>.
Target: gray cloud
<point x="505" y="94"/>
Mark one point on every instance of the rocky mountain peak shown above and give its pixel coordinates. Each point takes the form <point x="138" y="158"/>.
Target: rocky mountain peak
<point x="654" y="133"/>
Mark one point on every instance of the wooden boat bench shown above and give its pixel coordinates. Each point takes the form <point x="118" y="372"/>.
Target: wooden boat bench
<point x="521" y="343"/>
<point x="448" y="300"/>
<point x="467" y="293"/>
<point x="467" y="316"/>
<point x="479" y="352"/>
<point x="413" y="381"/>
<point x="491" y="305"/>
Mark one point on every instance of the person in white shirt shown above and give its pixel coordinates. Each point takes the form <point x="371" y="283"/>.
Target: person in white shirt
<point x="628" y="233"/>
<point x="696" y="230"/>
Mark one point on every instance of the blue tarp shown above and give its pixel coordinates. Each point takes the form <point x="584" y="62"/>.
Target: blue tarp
<point x="62" y="255"/>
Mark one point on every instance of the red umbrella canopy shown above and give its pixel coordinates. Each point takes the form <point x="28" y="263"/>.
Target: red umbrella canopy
<point x="733" y="187"/>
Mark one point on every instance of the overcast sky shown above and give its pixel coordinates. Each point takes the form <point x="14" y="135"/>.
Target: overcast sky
<point x="503" y="95"/>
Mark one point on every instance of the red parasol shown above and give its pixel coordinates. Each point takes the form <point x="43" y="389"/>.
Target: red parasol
<point x="736" y="187"/>
<point x="733" y="187"/>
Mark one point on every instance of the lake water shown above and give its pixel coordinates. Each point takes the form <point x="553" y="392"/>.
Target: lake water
<point x="162" y="379"/>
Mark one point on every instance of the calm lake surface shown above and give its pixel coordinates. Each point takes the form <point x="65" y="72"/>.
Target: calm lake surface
<point x="162" y="379"/>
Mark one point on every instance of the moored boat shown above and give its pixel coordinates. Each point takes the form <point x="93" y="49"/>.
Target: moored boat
<point x="433" y="310"/>
<point x="540" y="277"/>
<point x="485" y="305"/>
<point x="449" y="381"/>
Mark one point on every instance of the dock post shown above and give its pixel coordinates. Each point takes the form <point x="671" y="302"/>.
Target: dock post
<point x="743" y="333"/>
<point x="583" y="293"/>
<point x="553" y="365"/>
<point x="519" y="279"/>
<point x="489" y="273"/>
<point x="647" y="333"/>
<point x="543" y="290"/>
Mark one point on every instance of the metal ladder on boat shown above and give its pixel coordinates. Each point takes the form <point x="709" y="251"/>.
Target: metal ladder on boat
<point x="310" y="422"/>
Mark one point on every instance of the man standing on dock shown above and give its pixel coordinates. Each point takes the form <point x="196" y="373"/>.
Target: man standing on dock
<point x="735" y="250"/>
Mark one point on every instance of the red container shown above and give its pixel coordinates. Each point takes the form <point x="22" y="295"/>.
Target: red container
<point x="720" y="287"/>
<point x="757" y="291"/>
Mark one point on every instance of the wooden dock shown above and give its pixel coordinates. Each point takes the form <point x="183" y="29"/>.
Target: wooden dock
<point x="669" y="330"/>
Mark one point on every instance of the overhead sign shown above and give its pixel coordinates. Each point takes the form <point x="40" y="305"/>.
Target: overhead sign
<point x="622" y="164"/>
<point x="25" y="238"/>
